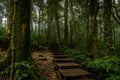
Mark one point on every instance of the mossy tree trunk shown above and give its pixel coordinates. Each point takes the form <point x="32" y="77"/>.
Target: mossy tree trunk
<point x="56" y="8"/>
<point x="93" y="27"/>
<point x="20" y="35"/>
<point x="49" y="20"/>
<point x="66" y="22"/>
<point x="56" y="26"/>
<point x="10" y="18"/>
<point x="87" y="27"/>
<point x="7" y="61"/>
<point x="108" y="36"/>
<point x="72" y="22"/>
<point x="20" y="39"/>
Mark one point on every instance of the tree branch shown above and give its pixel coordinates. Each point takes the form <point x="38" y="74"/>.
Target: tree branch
<point x="116" y="19"/>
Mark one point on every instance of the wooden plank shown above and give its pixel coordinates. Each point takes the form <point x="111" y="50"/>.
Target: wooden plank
<point x="63" y="60"/>
<point x="59" y="56"/>
<point x="73" y="73"/>
<point x="67" y="65"/>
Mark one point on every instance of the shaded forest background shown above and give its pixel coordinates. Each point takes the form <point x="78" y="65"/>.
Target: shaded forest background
<point x="87" y="30"/>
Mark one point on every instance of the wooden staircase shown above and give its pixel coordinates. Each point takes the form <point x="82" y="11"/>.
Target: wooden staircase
<point x="67" y="69"/>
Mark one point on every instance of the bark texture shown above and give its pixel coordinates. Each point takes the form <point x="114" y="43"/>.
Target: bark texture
<point x="107" y="26"/>
<point x="66" y="22"/>
<point x="93" y="27"/>
<point x="19" y="24"/>
<point x="20" y="42"/>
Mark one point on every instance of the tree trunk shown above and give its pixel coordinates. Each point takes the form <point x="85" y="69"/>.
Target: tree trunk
<point x="39" y="23"/>
<point x="66" y="22"/>
<point x="57" y="25"/>
<point x="31" y="27"/>
<point x="93" y="26"/>
<point x="107" y="26"/>
<point x="49" y="21"/>
<point x="20" y="35"/>
<point x="72" y="23"/>
<point x="7" y="60"/>
<point x="87" y="27"/>
<point x="10" y="18"/>
<point x="21" y="30"/>
<point x="19" y="50"/>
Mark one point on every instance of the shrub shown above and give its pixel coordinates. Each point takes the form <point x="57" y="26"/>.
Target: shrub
<point x="3" y="37"/>
<point x="2" y="33"/>
<point x="21" y="71"/>
<point x="37" y="41"/>
<point x="79" y="56"/>
<point x="107" y="67"/>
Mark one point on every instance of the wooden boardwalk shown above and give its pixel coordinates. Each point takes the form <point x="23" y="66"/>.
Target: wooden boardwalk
<point x="67" y="69"/>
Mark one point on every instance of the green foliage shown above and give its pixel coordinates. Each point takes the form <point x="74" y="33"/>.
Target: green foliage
<point x="37" y="41"/>
<point x="2" y="34"/>
<point x="3" y="38"/>
<point x="114" y="77"/>
<point x="117" y="48"/>
<point x="101" y="44"/>
<point x="22" y="70"/>
<point x="107" y="67"/>
<point x="79" y="56"/>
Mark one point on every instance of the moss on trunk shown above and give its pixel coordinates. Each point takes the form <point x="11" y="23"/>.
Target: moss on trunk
<point x="108" y="35"/>
<point x="21" y="30"/>
<point x="93" y="25"/>
<point x="19" y="50"/>
<point x="66" y="23"/>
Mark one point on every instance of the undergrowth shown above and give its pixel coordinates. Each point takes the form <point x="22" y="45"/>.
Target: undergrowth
<point x="22" y="71"/>
<point x="104" y="68"/>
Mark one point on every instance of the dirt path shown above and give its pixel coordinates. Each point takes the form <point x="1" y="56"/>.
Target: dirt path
<point x="43" y="60"/>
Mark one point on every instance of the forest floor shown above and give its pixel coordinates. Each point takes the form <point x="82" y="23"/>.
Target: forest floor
<point x="2" y="55"/>
<point x="43" y="60"/>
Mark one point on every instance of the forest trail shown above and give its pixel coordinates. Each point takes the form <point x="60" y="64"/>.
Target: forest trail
<point x="52" y="67"/>
<point x="67" y="68"/>
<point x="43" y="60"/>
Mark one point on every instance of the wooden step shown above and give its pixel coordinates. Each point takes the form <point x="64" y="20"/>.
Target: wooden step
<point x="63" y="60"/>
<point x="59" y="56"/>
<point x="84" y="78"/>
<point x="67" y="65"/>
<point x="66" y="74"/>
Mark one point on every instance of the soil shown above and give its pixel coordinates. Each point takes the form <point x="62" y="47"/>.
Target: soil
<point x="43" y="60"/>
